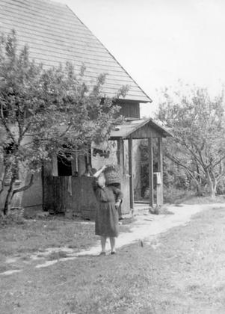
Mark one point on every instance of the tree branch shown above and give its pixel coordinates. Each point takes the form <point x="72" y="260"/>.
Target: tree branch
<point x="25" y="187"/>
<point x="179" y="163"/>
<point x="26" y="129"/>
<point x="3" y="179"/>
<point x="7" y="129"/>
<point x="222" y="158"/>
<point x="192" y="153"/>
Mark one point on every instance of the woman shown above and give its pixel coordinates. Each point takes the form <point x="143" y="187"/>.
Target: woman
<point x="106" y="222"/>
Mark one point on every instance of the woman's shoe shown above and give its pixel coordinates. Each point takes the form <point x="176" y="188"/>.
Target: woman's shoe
<point x="113" y="252"/>
<point x="102" y="253"/>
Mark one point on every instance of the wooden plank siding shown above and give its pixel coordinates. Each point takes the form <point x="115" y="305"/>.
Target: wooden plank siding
<point x="145" y="132"/>
<point x="130" y="109"/>
<point x="79" y="200"/>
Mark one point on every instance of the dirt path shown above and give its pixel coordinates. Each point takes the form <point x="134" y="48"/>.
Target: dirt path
<point x="145" y="227"/>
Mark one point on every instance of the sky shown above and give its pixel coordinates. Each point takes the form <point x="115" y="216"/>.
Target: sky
<point x="161" y="41"/>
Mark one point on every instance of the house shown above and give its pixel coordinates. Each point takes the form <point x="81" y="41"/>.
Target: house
<point x="55" y="35"/>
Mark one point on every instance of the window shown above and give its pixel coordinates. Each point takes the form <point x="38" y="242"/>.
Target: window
<point x="64" y="166"/>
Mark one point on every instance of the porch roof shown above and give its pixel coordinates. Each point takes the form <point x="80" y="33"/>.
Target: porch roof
<point x="138" y="129"/>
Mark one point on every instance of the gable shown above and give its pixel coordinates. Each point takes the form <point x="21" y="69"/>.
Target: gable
<point x="139" y="129"/>
<point x="55" y="35"/>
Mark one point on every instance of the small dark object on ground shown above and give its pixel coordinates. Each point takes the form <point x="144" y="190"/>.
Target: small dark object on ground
<point x="222" y="207"/>
<point x="127" y="221"/>
<point x="57" y="255"/>
<point x="42" y="214"/>
<point x="154" y="210"/>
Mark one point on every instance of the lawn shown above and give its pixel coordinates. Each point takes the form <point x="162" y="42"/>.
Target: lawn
<point x="37" y="235"/>
<point x="183" y="273"/>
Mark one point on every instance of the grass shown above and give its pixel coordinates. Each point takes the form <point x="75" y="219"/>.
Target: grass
<point x="37" y="235"/>
<point x="184" y="275"/>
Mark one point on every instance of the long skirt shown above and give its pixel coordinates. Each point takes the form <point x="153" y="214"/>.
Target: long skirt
<point x="106" y="221"/>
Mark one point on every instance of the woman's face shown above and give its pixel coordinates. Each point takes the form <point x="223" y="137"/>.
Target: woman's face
<point x="101" y="180"/>
<point x="89" y="168"/>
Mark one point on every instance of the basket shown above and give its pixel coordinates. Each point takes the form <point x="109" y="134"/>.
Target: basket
<point x="112" y="175"/>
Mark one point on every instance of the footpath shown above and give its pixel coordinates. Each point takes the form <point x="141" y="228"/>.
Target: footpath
<point x="144" y="227"/>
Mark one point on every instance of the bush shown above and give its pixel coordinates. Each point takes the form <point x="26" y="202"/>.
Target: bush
<point x="172" y="195"/>
<point x="15" y="217"/>
<point x="221" y="187"/>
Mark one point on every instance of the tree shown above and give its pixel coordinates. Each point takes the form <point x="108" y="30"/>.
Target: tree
<point x="45" y="111"/>
<point x="197" y="122"/>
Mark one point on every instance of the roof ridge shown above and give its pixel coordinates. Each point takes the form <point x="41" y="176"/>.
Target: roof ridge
<point x="150" y="100"/>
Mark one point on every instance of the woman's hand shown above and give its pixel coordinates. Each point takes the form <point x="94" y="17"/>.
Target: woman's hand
<point x="97" y="174"/>
<point x="117" y="205"/>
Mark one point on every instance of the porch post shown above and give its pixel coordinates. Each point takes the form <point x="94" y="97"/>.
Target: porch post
<point x="120" y="159"/>
<point x="79" y="165"/>
<point x="150" y="162"/>
<point x="120" y="154"/>
<point x="130" y="149"/>
<point x="160" y="169"/>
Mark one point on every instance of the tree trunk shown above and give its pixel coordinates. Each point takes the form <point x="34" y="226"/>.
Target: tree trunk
<point x="212" y="189"/>
<point x="197" y="186"/>
<point x="11" y="191"/>
<point x="212" y="184"/>
<point x="9" y="195"/>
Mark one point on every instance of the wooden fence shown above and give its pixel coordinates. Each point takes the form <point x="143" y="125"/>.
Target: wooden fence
<point x="70" y="195"/>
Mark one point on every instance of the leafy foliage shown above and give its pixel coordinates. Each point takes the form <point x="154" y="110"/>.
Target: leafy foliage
<point x="45" y="111"/>
<point x="198" y="124"/>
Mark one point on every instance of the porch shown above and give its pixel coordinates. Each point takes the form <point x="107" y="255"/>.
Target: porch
<point x="73" y="195"/>
<point x="125" y="135"/>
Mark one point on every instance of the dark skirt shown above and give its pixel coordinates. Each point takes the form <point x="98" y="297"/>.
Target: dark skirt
<point x="106" y="221"/>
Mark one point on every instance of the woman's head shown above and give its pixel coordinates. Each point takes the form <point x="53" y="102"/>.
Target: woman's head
<point x="101" y="180"/>
<point x="88" y="167"/>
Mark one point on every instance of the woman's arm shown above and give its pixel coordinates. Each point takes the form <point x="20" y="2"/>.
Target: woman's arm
<point x="119" y="196"/>
<point x="95" y="181"/>
<point x="97" y="174"/>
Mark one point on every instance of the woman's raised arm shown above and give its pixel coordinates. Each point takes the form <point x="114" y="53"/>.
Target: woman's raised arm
<point x="97" y="174"/>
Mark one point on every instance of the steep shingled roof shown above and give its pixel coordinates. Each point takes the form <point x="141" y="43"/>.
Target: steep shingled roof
<point x="55" y="35"/>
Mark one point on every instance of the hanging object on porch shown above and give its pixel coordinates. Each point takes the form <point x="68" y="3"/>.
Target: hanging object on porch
<point x="102" y="153"/>
<point x="112" y="174"/>
<point x="102" y="149"/>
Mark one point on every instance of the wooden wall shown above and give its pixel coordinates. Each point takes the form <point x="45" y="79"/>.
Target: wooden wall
<point x="146" y="132"/>
<point x="70" y="195"/>
<point x="75" y="195"/>
<point x="129" y="109"/>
